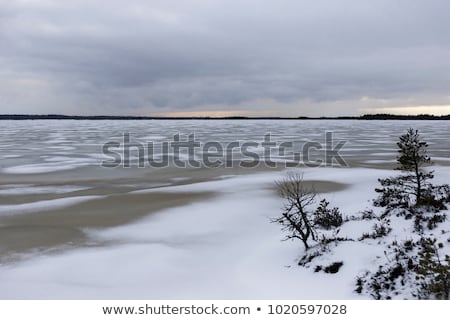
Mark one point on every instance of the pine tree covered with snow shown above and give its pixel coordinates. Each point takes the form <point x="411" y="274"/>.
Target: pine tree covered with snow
<point x="412" y="188"/>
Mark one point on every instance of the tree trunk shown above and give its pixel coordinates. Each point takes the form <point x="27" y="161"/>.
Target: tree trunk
<point x="305" y="242"/>
<point x="418" y="182"/>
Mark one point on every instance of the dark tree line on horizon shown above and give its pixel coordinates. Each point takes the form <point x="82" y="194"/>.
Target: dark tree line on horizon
<point x="378" y="116"/>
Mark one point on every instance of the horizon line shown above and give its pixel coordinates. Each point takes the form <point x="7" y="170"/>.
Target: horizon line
<point x="375" y="116"/>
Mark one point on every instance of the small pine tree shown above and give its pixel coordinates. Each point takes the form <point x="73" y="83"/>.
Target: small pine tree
<point x="412" y="156"/>
<point x="412" y="189"/>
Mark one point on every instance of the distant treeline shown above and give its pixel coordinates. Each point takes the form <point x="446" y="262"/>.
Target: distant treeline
<point x="386" y="116"/>
<point x="378" y="116"/>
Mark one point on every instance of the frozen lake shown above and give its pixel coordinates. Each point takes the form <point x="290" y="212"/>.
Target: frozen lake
<point x="68" y="226"/>
<point x="33" y="147"/>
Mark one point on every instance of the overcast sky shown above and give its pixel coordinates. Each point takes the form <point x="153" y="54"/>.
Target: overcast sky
<point x="250" y="57"/>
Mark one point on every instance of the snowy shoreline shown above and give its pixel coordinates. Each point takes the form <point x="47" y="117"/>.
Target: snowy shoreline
<point x="223" y="248"/>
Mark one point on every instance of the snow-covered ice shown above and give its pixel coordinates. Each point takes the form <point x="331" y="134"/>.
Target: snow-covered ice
<point x="10" y="209"/>
<point x="224" y="248"/>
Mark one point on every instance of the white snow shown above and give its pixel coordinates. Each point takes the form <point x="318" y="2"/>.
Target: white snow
<point x="30" y="189"/>
<point x="10" y="209"/>
<point x="40" y="168"/>
<point x="222" y="248"/>
<point x="219" y="248"/>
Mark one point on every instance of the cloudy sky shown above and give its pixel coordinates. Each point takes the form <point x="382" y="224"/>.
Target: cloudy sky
<point x="224" y="57"/>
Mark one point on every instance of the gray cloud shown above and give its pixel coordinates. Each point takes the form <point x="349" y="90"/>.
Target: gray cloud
<point x="104" y="56"/>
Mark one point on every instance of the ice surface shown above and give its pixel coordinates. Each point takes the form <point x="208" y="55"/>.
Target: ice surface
<point x="27" y="146"/>
<point x="224" y="247"/>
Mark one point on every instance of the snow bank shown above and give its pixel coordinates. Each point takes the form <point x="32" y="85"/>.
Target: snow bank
<point x="225" y="248"/>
